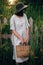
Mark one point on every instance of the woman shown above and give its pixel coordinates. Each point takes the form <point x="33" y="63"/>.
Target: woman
<point x="19" y="26"/>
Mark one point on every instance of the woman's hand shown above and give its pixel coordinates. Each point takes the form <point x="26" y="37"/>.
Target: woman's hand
<point x="22" y="40"/>
<point x="26" y="40"/>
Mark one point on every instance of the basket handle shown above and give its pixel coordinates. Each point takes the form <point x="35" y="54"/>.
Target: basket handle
<point x="23" y="44"/>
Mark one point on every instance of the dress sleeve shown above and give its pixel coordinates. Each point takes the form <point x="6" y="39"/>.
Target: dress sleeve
<point x="26" y="22"/>
<point x="12" y="24"/>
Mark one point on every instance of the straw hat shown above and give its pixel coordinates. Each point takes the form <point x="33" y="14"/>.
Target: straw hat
<point x="20" y="6"/>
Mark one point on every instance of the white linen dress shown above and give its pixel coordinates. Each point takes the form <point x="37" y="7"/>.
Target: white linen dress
<point x="20" y="25"/>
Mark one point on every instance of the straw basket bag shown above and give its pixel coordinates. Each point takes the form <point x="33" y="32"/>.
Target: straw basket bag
<point x="22" y="50"/>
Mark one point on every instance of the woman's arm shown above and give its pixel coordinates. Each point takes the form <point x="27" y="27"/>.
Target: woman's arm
<point x="18" y="36"/>
<point x="27" y="35"/>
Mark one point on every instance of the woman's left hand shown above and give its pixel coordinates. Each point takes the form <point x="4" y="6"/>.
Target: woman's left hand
<point x="26" y="40"/>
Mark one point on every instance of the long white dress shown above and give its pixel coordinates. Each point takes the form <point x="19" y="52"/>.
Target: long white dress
<point x="20" y="25"/>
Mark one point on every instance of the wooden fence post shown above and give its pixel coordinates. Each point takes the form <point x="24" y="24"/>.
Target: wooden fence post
<point x="31" y="27"/>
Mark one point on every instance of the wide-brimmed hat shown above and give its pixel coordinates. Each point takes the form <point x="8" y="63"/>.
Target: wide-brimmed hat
<point x="20" y="6"/>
